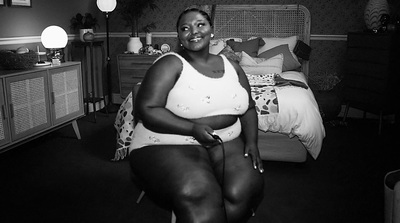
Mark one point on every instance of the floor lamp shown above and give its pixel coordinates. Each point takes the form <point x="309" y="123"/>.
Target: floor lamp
<point x="108" y="6"/>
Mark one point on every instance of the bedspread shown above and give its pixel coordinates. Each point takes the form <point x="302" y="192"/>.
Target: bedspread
<point x="298" y="115"/>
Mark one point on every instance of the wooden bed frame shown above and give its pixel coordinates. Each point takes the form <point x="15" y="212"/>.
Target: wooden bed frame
<point x="245" y="21"/>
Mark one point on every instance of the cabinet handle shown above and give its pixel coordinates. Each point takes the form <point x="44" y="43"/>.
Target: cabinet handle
<point x="11" y="110"/>
<point x="3" y="111"/>
<point x="53" y="98"/>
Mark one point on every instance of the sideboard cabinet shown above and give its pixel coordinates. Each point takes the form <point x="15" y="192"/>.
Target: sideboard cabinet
<point x="38" y="100"/>
<point x="131" y="70"/>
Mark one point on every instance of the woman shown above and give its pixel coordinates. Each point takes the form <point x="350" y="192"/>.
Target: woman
<point x="183" y="100"/>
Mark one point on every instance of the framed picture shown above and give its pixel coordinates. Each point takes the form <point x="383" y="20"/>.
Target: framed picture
<point x="2" y="3"/>
<point x="24" y="3"/>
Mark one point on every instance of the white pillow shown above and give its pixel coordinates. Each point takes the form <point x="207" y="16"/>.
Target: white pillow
<point x="253" y="65"/>
<point x="217" y="45"/>
<point x="274" y="42"/>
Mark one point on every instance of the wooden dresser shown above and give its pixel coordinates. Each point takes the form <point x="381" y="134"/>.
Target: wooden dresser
<point x="38" y="100"/>
<point x="131" y="70"/>
<point x="372" y="73"/>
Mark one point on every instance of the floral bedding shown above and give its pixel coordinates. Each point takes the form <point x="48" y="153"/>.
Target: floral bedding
<point x="294" y="112"/>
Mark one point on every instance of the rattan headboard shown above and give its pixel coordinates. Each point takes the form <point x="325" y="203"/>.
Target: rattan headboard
<point x="245" y="21"/>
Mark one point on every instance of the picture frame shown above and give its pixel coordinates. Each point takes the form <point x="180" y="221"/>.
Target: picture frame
<point x="2" y="2"/>
<point x="20" y="3"/>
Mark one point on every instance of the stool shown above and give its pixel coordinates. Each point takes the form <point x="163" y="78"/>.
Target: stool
<point x="173" y="217"/>
<point x="392" y="197"/>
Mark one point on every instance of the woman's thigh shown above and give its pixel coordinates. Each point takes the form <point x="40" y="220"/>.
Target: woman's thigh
<point x="240" y="177"/>
<point x="164" y="170"/>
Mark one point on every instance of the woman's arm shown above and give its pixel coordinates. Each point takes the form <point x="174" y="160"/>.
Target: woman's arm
<point x="249" y="121"/>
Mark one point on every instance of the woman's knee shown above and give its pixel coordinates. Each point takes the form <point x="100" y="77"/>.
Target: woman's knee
<point x="199" y="201"/>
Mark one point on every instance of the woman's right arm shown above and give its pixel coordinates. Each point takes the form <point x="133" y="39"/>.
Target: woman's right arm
<point x="152" y="97"/>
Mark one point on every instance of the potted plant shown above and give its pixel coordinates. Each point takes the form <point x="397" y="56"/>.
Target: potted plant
<point x="131" y="11"/>
<point x="84" y="24"/>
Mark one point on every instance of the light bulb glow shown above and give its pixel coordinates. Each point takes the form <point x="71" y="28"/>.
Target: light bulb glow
<point x="54" y="37"/>
<point x="106" y="5"/>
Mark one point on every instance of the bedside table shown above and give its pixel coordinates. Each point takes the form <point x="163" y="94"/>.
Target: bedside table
<point x="131" y="70"/>
<point x="371" y="78"/>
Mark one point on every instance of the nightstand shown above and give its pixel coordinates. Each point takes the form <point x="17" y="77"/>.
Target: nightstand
<point x="371" y="78"/>
<point x="131" y="70"/>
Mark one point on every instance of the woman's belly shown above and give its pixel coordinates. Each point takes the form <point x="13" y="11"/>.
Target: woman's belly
<point x="218" y="121"/>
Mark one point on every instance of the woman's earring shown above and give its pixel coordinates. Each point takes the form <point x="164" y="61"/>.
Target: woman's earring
<point x="212" y="35"/>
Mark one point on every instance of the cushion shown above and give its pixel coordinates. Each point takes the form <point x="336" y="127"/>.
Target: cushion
<point x="289" y="62"/>
<point x="254" y="65"/>
<point x="275" y="41"/>
<point x="250" y="47"/>
<point x="230" y="54"/>
<point x="302" y="50"/>
<point x="216" y="45"/>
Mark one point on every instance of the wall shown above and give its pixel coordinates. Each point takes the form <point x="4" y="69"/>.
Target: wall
<point x="330" y="22"/>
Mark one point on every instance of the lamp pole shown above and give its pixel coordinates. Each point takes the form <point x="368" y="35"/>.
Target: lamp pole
<point x="108" y="6"/>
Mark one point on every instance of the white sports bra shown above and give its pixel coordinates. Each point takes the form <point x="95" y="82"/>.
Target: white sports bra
<point x="195" y="95"/>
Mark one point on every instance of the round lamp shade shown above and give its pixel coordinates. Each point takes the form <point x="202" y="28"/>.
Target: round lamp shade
<point x="106" y="5"/>
<point x="54" y="37"/>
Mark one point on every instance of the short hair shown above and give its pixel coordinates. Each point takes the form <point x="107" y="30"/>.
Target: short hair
<point x="193" y="10"/>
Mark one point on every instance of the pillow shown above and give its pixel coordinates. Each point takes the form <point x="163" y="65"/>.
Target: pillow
<point x="219" y="44"/>
<point x="273" y="42"/>
<point x="289" y="62"/>
<point x="253" y="65"/>
<point x="302" y="50"/>
<point x="230" y="54"/>
<point x="250" y="47"/>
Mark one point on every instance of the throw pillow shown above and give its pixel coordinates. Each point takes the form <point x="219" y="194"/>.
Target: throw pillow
<point x="250" y="47"/>
<point x="230" y="54"/>
<point x="275" y="41"/>
<point x="289" y="62"/>
<point x="253" y="65"/>
<point x="216" y="45"/>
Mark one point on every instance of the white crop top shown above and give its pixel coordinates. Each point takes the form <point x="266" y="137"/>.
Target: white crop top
<point x="195" y="95"/>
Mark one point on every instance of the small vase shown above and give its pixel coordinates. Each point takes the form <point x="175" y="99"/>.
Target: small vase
<point x="373" y="12"/>
<point x="88" y="37"/>
<point x="134" y="45"/>
<point x="82" y="32"/>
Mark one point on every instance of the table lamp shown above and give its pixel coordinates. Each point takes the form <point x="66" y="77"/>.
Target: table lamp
<point x="108" y="6"/>
<point x="54" y="39"/>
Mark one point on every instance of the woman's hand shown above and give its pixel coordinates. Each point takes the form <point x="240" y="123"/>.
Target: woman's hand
<point x="252" y="151"/>
<point x="202" y="133"/>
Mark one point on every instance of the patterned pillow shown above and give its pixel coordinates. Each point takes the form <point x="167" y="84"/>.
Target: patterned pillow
<point x="217" y="45"/>
<point x="230" y="54"/>
<point x="250" y="47"/>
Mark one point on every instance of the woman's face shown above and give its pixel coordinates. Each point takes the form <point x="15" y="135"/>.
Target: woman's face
<point x="194" y="31"/>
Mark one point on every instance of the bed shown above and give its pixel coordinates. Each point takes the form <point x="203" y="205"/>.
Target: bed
<point x="263" y="39"/>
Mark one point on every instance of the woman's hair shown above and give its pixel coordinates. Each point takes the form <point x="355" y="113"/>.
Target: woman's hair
<point x="193" y="10"/>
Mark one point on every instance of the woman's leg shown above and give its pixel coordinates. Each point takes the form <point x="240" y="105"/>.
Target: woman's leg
<point x="182" y="177"/>
<point x="243" y="185"/>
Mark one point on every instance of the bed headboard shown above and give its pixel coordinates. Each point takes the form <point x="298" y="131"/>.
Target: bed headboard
<point x="245" y="21"/>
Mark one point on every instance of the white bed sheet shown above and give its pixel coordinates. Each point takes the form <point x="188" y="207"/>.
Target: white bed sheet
<point x="298" y="115"/>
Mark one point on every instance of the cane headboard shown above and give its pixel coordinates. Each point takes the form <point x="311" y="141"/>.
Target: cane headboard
<point x="245" y="21"/>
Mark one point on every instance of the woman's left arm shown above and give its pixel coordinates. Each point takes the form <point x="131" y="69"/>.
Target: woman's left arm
<point x="249" y="121"/>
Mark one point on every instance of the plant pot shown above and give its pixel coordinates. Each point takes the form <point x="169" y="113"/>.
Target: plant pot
<point x="82" y="32"/>
<point x="134" y="45"/>
<point x="373" y="12"/>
